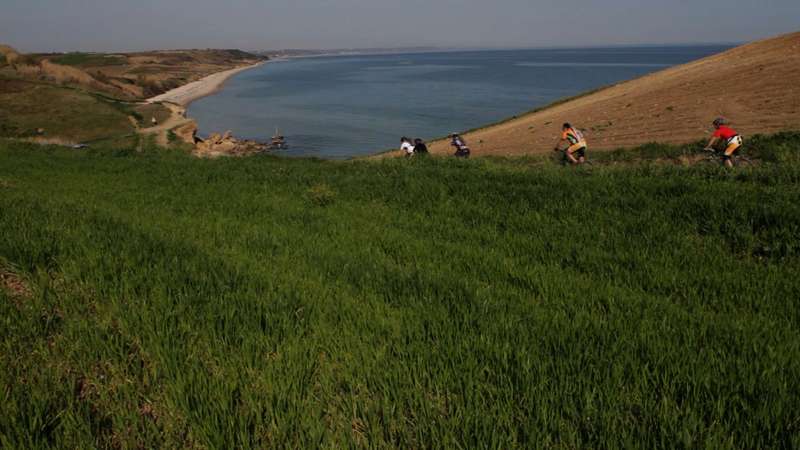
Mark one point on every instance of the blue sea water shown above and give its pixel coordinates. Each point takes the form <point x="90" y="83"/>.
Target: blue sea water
<point x="345" y="106"/>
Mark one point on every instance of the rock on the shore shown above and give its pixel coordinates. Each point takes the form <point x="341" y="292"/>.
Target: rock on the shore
<point x="187" y="132"/>
<point x="226" y="145"/>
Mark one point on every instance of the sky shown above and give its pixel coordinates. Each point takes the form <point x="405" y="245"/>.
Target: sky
<point x="131" y="25"/>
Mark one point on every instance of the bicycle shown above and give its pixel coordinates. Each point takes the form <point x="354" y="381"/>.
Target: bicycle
<point x="565" y="161"/>
<point x="718" y="157"/>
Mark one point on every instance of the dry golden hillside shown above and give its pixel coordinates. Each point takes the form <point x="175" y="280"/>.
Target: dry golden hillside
<point x="756" y="86"/>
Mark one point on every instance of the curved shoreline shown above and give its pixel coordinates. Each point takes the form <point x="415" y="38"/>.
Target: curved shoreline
<point x="186" y="94"/>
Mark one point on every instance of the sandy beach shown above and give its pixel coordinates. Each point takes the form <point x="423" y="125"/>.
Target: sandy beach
<point x="198" y="89"/>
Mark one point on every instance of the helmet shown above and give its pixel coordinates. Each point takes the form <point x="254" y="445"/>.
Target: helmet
<point x="720" y="121"/>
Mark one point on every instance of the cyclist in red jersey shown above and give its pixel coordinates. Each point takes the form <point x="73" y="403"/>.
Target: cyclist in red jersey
<point x="727" y="135"/>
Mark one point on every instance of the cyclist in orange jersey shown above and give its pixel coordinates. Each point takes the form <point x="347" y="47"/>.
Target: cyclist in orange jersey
<point x="576" y="150"/>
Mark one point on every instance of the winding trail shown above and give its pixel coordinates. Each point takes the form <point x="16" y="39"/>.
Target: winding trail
<point x="176" y="119"/>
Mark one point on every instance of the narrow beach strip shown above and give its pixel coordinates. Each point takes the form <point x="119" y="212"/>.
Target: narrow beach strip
<point x="195" y="90"/>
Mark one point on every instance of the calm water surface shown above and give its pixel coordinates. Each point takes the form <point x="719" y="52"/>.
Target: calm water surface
<point x="345" y="106"/>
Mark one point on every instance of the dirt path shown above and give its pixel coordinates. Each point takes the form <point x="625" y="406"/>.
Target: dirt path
<point x="161" y="131"/>
<point x="756" y="86"/>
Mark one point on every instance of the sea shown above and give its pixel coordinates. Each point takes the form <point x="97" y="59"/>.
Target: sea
<point x="339" y="107"/>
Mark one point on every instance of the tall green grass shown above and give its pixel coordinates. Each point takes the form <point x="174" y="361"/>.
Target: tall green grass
<point x="265" y="302"/>
<point x="63" y="113"/>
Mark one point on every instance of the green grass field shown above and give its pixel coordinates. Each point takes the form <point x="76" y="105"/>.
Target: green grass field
<point x="69" y="115"/>
<point x="89" y="59"/>
<point x="64" y="113"/>
<point x="145" y="113"/>
<point x="432" y="303"/>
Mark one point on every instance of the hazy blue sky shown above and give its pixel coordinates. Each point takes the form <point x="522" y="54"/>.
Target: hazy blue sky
<point x="119" y="25"/>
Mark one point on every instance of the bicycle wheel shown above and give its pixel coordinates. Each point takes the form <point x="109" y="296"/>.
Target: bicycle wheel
<point x="743" y="161"/>
<point x="709" y="161"/>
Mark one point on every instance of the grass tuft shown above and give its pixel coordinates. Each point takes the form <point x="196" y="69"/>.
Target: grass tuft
<point x="321" y="194"/>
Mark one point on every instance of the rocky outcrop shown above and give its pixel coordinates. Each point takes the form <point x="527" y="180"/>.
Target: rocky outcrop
<point x="217" y="144"/>
<point x="227" y="145"/>
<point x="187" y="132"/>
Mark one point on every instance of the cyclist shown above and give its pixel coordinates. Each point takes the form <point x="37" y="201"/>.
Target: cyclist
<point x="462" y="151"/>
<point x="576" y="144"/>
<point x="732" y="139"/>
<point x="406" y="146"/>
<point x="419" y="147"/>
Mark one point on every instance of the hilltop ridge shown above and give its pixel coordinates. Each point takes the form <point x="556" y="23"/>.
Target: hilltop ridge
<point x="125" y="76"/>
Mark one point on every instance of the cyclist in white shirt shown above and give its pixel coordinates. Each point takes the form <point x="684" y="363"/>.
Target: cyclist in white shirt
<point x="462" y="150"/>
<point x="407" y="146"/>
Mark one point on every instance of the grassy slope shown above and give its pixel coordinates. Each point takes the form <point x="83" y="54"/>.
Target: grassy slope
<point x="68" y="114"/>
<point x="64" y="113"/>
<point x="146" y="112"/>
<point x="89" y="60"/>
<point x="486" y="303"/>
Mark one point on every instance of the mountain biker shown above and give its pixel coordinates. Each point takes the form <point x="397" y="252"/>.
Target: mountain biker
<point x="462" y="151"/>
<point x="406" y="146"/>
<point x="576" y="144"/>
<point x="419" y="147"/>
<point x="731" y="139"/>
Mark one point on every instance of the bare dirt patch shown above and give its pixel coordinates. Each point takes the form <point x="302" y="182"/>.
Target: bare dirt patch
<point x="14" y="285"/>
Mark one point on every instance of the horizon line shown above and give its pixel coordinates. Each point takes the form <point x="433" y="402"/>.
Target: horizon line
<point x="430" y="48"/>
